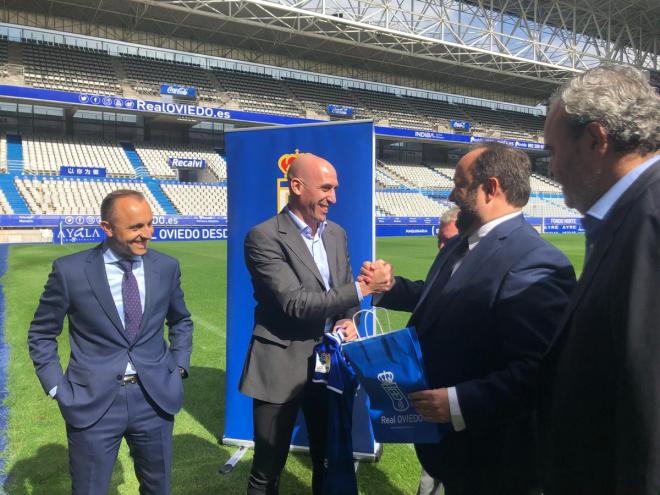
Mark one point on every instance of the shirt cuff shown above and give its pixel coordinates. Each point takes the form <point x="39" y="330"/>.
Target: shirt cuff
<point x="359" y="292"/>
<point x="53" y="392"/>
<point x="457" y="420"/>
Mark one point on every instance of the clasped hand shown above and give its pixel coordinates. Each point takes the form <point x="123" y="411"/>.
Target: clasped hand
<point x="375" y="277"/>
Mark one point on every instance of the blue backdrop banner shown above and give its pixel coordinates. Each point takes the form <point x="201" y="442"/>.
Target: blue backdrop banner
<point x="74" y="234"/>
<point x="257" y="190"/>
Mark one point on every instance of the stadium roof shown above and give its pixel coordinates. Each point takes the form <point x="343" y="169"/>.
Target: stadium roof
<point x="522" y="47"/>
<point x="621" y="30"/>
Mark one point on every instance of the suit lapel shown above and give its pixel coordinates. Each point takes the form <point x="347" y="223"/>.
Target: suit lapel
<point x="473" y="264"/>
<point x="151" y="285"/>
<point x="292" y="238"/>
<point x="440" y="261"/>
<point x="98" y="281"/>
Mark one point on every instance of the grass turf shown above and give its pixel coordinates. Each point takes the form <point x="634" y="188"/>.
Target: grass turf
<point x="36" y="458"/>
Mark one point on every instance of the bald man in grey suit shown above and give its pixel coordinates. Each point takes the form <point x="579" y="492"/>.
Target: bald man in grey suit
<point x="303" y="285"/>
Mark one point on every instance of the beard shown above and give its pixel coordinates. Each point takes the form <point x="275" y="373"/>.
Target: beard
<point x="468" y="216"/>
<point x="584" y="189"/>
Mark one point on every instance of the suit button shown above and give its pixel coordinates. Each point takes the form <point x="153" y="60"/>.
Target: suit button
<point x="130" y="349"/>
<point x="119" y="377"/>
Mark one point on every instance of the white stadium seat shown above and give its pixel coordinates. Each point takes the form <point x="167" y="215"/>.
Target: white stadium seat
<point x="155" y="158"/>
<point x="74" y="196"/>
<point x="197" y="199"/>
<point x="44" y="155"/>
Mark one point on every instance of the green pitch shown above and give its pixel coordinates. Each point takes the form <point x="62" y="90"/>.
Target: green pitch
<point x="36" y="457"/>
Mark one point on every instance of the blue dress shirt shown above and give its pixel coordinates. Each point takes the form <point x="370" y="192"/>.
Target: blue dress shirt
<point x="599" y="210"/>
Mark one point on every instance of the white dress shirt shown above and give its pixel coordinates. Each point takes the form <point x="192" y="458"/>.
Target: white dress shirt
<point x="457" y="420"/>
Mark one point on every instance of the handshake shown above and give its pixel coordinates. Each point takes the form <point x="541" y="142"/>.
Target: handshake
<point x="375" y="277"/>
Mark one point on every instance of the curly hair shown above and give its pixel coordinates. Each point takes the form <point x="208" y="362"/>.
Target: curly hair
<point x="618" y="97"/>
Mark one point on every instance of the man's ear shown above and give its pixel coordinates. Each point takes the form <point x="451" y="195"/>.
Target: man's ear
<point x="295" y="184"/>
<point x="491" y="187"/>
<point x="596" y="136"/>
<point x="107" y="228"/>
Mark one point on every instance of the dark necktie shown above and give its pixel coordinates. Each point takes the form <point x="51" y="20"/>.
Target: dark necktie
<point x="132" y="304"/>
<point x="439" y="282"/>
<point x="591" y="227"/>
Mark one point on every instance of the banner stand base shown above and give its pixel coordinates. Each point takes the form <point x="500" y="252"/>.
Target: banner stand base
<point x="245" y="444"/>
<point x="229" y="466"/>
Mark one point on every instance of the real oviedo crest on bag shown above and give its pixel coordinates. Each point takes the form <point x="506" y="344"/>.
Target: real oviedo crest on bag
<point x="389" y="366"/>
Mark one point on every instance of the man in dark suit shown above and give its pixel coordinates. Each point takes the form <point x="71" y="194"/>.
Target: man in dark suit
<point x="122" y="380"/>
<point x="484" y="315"/>
<point x="601" y="377"/>
<point x="303" y="285"/>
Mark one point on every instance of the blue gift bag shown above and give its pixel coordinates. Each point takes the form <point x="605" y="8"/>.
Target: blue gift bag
<point x="389" y="366"/>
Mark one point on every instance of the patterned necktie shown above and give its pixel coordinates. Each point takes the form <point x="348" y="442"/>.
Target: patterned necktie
<point x="132" y="304"/>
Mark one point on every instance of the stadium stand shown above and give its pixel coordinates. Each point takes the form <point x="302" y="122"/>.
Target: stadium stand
<point x="5" y="208"/>
<point x="44" y="155"/>
<point x="4" y="49"/>
<point x="145" y="75"/>
<point x="543" y="184"/>
<point x="317" y="96"/>
<point x="438" y="112"/>
<point x="258" y="92"/>
<point x="545" y="207"/>
<point x="418" y="176"/>
<point x="559" y="208"/>
<point x="408" y="204"/>
<point x="197" y="199"/>
<point x="60" y="66"/>
<point x="3" y="153"/>
<point x="394" y="109"/>
<point x="384" y="181"/>
<point x="155" y="158"/>
<point x="532" y="125"/>
<point x="69" y="196"/>
<point x="65" y="67"/>
<point x="447" y="173"/>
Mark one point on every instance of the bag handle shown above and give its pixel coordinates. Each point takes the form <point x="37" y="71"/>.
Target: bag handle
<point x="377" y="324"/>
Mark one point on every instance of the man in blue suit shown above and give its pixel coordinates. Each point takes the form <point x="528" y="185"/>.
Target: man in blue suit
<point x="484" y="315"/>
<point x="123" y="380"/>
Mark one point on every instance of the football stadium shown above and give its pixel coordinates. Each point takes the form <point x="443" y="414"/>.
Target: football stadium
<point x="103" y="95"/>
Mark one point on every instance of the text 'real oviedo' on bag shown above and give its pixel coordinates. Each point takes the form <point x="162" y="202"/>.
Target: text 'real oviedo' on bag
<point x="389" y="366"/>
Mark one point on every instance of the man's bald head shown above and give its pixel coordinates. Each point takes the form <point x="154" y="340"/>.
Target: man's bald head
<point x="308" y="165"/>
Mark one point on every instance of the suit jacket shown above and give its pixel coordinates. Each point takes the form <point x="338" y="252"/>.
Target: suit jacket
<point x="484" y="332"/>
<point x="292" y="305"/>
<point x="78" y="288"/>
<point x="601" y="399"/>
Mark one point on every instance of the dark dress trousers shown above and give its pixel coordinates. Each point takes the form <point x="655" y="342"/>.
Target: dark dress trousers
<point x="484" y="331"/>
<point x="90" y="393"/>
<point x="289" y="320"/>
<point x="601" y="377"/>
